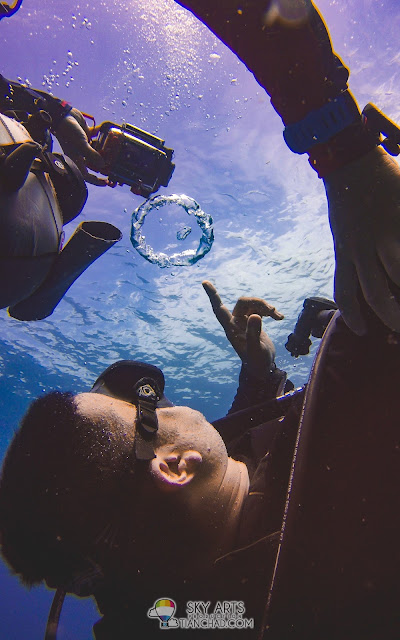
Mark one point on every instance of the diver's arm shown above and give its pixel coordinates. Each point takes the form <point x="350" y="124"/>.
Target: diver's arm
<point x="253" y="390"/>
<point x="15" y="96"/>
<point x="68" y="124"/>
<point x="290" y="56"/>
<point x="364" y="213"/>
<point x="286" y="45"/>
<point x="73" y="134"/>
<point x="259" y="378"/>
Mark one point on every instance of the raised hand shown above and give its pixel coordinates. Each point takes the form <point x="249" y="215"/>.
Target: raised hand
<point x="243" y="328"/>
<point x="73" y="134"/>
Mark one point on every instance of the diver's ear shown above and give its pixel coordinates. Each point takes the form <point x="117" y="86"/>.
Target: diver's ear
<point x="172" y="470"/>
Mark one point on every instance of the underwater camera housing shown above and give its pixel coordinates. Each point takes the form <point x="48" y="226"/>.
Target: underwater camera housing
<point x="134" y="157"/>
<point x="313" y="320"/>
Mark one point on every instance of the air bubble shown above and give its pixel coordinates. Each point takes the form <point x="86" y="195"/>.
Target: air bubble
<point x="185" y="258"/>
<point x="182" y="234"/>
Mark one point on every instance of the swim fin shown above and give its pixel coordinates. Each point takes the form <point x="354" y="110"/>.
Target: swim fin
<point x="89" y="241"/>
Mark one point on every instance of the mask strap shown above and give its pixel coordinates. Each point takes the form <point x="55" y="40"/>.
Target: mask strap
<point x="82" y="585"/>
<point x="54" y="615"/>
<point x="147" y="395"/>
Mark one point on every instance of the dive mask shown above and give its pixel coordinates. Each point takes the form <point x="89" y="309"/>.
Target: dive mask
<point x="142" y="385"/>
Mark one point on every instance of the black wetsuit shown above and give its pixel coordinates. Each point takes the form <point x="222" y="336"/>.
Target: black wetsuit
<point x="37" y="197"/>
<point x="328" y="488"/>
<point x="293" y="60"/>
<point x="31" y="221"/>
<point x="15" y="96"/>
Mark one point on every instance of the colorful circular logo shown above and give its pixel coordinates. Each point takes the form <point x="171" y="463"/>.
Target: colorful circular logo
<point x="165" y="609"/>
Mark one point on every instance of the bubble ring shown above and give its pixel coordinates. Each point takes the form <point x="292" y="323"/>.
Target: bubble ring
<point x="185" y="258"/>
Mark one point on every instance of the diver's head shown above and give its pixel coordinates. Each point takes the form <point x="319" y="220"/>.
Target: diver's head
<point x="73" y="492"/>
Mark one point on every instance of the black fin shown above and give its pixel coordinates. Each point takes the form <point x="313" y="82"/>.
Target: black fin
<point x="90" y="240"/>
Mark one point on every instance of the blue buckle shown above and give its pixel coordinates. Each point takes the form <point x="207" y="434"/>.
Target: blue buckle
<point x="322" y="124"/>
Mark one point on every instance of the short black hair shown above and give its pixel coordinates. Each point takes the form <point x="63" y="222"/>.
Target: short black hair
<point x="72" y="497"/>
<point x="58" y="486"/>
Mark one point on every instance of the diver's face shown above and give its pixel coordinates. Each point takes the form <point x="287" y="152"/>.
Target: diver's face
<point x="183" y="486"/>
<point x="117" y="412"/>
<point x="185" y="428"/>
<point x="180" y="428"/>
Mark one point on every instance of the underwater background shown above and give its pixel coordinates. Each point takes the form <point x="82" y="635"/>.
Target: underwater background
<point x="152" y="64"/>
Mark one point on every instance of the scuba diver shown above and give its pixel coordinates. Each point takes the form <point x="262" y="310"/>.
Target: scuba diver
<point x="291" y="512"/>
<point x="286" y="507"/>
<point x="40" y="192"/>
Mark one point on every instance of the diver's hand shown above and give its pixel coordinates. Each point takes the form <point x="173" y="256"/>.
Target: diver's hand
<point x="73" y="134"/>
<point x="243" y="328"/>
<point x="364" y="213"/>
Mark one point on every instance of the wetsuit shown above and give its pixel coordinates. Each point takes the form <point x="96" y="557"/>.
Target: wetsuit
<point x="31" y="221"/>
<point x="14" y="96"/>
<point x="36" y="199"/>
<point x="293" y="60"/>
<point x="253" y="391"/>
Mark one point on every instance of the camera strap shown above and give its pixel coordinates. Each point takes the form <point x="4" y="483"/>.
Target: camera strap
<point x="147" y="395"/>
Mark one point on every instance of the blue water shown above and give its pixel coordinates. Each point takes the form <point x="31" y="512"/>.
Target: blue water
<point x="150" y="63"/>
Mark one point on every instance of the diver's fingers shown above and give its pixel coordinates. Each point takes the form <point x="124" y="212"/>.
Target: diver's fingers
<point x="246" y="306"/>
<point x="376" y="291"/>
<point x="253" y="332"/>
<point x="90" y="177"/>
<point x="346" y="290"/>
<point x="221" y="312"/>
<point x="93" y="131"/>
<point x="74" y="142"/>
<point x="390" y="258"/>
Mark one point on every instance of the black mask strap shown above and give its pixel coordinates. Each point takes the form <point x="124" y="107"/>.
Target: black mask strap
<point x="82" y="585"/>
<point x="54" y="615"/>
<point x="147" y="395"/>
